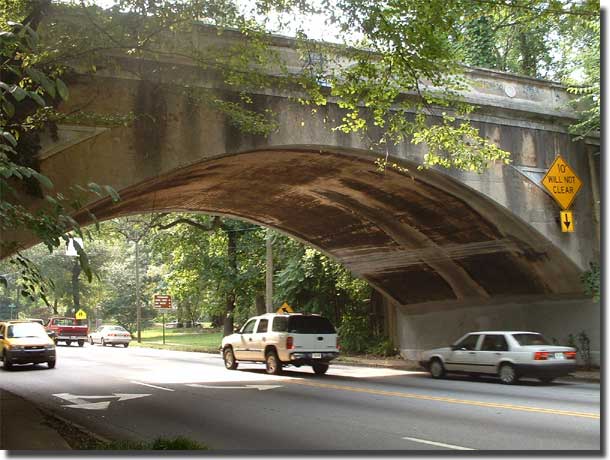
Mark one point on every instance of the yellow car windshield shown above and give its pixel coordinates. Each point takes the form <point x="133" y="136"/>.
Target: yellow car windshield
<point x="19" y="331"/>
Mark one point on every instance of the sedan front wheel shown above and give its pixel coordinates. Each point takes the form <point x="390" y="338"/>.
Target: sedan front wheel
<point x="437" y="370"/>
<point x="507" y="374"/>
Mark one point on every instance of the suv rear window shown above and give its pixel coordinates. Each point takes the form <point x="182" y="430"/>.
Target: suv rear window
<point x="309" y="325"/>
<point x="530" y="339"/>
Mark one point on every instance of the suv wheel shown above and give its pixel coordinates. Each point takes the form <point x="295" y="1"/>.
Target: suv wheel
<point x="272" y="363"/>
<point x="51" y="364"/>
<point x="229" y="357"/>
<point x="437" y="370"/>
<point x="81" y="343"/>
<point x="320" y="368"/>
<point x="507" y="374"/>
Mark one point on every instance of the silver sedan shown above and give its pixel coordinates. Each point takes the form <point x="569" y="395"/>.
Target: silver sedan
<point x="110" y="335"/>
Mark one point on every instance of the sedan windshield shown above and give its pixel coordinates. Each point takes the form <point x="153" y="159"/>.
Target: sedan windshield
<point x="530" y="339"/>
<point x="19" y="331"/>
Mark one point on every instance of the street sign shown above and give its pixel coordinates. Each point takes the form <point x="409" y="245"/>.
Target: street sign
<point x="285" y="308"/>
<point x="162" y="301"/>
<point x="562" y="182"/>
<point x="81" y="314"/>
<point x="567" y="222"/>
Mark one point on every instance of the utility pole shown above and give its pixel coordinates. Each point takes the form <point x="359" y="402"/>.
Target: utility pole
<point x="138" y="306"/>
<point x="269" y="274"/>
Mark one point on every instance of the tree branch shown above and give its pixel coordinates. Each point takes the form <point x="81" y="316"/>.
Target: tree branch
<point x="214" y="225"/>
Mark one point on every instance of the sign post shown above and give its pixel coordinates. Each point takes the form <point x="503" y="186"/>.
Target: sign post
<point x="563" y="184"/>
<point x="163" y="303"/>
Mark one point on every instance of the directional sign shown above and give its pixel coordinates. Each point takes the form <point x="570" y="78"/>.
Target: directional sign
<point x="81" y="314"/>
<point x="80" y="401"/>
<point x="562" y="182"/>
<point x="567" y="222"/>
<point x="285" y="308"/>
<point x="162" y="301"/>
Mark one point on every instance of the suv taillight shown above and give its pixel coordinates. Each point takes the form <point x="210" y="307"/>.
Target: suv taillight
<point x="569" y="354"/>
<point x="289" y="343"/>
<point x="541" y="355"/>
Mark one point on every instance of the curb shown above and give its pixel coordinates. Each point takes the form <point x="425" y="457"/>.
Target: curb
<point x="78" y="426"/>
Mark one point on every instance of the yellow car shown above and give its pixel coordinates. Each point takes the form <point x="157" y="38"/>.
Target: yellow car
<point x="25" y="342"/>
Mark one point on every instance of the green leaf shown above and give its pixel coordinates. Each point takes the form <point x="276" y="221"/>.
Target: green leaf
<point x="37" y="98"/>
<point x="93" y="187"/>
<point x="40" y="78"/>
<point x="10" y="138"/>
<point x="44" y="180"/>
<point x="8" y="108"/>
<point x="62" y="89"/>
<point x="113" y="193"/>
<point x="18" y="93"/>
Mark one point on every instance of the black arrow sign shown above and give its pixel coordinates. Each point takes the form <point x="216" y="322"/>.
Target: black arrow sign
<point x="567" y="222"/>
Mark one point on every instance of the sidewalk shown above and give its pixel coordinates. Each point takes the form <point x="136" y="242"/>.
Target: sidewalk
<point x="24" y="427"/>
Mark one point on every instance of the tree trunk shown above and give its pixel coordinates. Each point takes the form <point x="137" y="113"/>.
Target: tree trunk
<point x="377" y="314"/>
<point x="228" y="323"/>
<point x="260" y="304"/>
<point x="75" y="285"/>
<point x="232" y="260"/>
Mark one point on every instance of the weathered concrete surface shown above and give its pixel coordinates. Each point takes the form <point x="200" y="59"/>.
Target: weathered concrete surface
<point x="428" y="237"/>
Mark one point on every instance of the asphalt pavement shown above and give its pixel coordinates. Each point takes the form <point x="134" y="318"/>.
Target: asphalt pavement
<point x="141" y="394"/>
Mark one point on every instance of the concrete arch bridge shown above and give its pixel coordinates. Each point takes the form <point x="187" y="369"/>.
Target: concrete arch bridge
<point x="449" y="251"/>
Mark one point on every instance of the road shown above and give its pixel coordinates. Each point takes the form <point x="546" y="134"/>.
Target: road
<point x="141" y="394"/>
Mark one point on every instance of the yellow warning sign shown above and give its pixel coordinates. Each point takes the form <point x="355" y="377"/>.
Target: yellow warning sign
<point x="81" y="314"/>
<point x="562" y="182"/>
<point x="285" y="308"/>
<point x="567" y="222"/>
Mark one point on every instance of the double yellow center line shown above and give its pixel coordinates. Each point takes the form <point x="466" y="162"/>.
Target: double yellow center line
<point x="540" y="410"/>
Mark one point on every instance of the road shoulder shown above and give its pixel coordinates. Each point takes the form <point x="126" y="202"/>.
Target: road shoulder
<point x="24" y="427"/>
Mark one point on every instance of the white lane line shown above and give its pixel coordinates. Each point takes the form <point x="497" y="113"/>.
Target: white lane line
<point x="152" y="386"/>
<point x="439" y="444"/>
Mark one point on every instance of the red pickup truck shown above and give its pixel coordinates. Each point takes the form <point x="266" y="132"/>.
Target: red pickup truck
<point x="68" y="330"/>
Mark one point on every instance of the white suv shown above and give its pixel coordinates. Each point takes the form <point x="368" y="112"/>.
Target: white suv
<point x="508" y="354"/>
<point x="283" y="339"/>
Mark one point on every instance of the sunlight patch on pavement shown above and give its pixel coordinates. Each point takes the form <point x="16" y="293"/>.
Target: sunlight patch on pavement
<point x="367" y="372"/>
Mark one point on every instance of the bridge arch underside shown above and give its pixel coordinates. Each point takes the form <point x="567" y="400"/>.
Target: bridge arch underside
<point x="416" y="238"/>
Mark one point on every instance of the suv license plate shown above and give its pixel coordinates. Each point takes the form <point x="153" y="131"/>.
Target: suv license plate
<point x="316" y="355"/>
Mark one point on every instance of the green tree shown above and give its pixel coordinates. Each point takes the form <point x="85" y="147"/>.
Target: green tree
<point x="217" y="264"/>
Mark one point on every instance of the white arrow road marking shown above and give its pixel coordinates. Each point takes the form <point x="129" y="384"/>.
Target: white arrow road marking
<point x="79" y="401"/>
<point x="259" y="387"/>
<point x="439" y="444"/>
